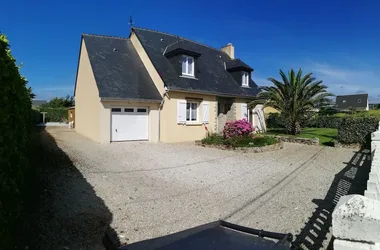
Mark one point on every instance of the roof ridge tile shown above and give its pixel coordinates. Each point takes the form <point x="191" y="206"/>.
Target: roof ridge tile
<point x="105" y="36"/>
<point x="183" y="38"/>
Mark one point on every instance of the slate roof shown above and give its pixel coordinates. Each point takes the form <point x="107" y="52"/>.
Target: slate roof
<point x="213" y="78"/>
<point x="182" y="45"/>
<point x="118" y="70"/>
<point x="236" y="64"/>
<point x="351" y="101"/>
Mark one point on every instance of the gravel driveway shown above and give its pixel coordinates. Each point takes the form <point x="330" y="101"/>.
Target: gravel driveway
<point x="147" y="190"/>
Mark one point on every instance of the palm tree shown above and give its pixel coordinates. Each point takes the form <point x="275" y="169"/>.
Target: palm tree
<point x="294" y="96"/>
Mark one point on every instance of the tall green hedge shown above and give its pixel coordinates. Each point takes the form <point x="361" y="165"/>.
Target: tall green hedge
<point x="357" y="129"/>
<point x="15" y="121"/>
<point x="55" y="114"/>
<point x="324" y="121"/>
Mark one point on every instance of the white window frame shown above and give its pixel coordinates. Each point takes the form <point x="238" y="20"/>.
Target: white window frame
<point x="187" y="65"/>
<point x="245" y="79"/>
<point x="197" y="119"/>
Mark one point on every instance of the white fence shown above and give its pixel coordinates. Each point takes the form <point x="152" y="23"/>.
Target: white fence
<point x="356" y="218"/>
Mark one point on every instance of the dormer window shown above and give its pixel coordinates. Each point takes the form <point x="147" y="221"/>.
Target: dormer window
<point x="245" y="79"/>
<point x="187" y="65"/>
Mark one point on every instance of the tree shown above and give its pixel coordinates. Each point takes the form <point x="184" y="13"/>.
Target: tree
<point x="60" y="102"/>
<point x="31" y="94"/>
<point x="295" y="96"/>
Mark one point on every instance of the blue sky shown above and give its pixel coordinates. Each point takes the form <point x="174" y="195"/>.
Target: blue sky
<point x="337" y="40"/>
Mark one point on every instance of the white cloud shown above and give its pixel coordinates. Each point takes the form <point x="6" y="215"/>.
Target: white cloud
<point x="347" y="80"/>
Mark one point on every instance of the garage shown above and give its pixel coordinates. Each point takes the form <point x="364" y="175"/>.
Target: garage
<point x="129" y="123"/>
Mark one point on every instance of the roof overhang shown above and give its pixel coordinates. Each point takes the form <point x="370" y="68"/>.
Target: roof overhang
<point x="111" y="99"/>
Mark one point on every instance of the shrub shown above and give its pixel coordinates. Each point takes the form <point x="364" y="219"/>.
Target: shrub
<point x="275" y="120"/>
<point x="15" y="124"/>
<point x="55" y="114"/>
<point x="213" y="139"/>
<point x="237" y="128"/>
<point x="249" y="141"/>
<point x="356" y="129"/>
<point x="324" y="121"/>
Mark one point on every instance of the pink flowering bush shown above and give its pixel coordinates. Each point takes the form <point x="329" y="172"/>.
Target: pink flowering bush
<point x="237" y="128"/>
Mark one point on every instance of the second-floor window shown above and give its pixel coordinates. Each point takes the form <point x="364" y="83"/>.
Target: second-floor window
<point x="245" y="79"/>
<point x="187" y="66"/>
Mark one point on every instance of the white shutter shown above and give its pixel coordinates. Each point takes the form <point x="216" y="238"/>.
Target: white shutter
<point x="181" y="111"/>
<point x="244" y="111"/>
<point x="206" y="113"/>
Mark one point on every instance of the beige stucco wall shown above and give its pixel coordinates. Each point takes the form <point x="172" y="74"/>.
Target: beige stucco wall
<point x="148" y="64"/>
<point x="171" y="131"/>
<point x="87" y="102"/>
<point x="105" y="118"/>
<point x="238" y="103"/>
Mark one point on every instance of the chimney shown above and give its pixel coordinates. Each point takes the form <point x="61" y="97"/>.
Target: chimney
<point x="230" y="50"/>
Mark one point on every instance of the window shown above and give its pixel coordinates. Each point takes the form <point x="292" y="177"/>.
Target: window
<point x="116" y="109"/>
<point x="141" y="110"/>
<point x="128" y="110"/>
<point x="187" y="66"/>
<point x="191" y="111"/>
<point x="359" y="100"/>
<point x="344" y="101"/>
<point x="245" y="79"/>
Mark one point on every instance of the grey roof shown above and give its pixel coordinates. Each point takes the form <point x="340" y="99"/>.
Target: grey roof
<point x="237" y="64"/>
<point x="351" y="101"/>
<point x="212" y="74"/>
<point x="37" y="103"/>
<point x="182" y="45"/>
<point x="118" y="70"/>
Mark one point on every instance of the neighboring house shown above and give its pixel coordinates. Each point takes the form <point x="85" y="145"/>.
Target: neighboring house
<point x="158" y="87"/>
<point x="38" y="103"/>
<point x="357" y="102"/>
<point x="268" y="110"/>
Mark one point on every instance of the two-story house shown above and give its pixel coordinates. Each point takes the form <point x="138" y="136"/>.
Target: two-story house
<point x="158" y="87"/>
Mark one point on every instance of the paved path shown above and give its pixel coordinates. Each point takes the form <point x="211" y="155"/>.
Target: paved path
<point x="149" y="190"/>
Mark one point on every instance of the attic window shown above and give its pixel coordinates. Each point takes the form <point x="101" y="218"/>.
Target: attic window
<point x="359" y="100"/>
<point x="187" y="65"/>
<point x="245" y="79"/>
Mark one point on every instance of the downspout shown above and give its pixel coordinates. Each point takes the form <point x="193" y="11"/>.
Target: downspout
<point x="159" y="113"/>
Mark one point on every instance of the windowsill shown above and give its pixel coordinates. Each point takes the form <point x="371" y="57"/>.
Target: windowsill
<point x="191" y="124"/>
<point x="189" y="77"/>
<point x="247" y="87"/>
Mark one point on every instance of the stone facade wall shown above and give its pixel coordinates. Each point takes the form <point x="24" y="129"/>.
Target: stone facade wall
<point x="356" y="218"/>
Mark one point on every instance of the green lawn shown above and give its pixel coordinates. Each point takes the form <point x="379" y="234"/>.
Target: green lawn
<point x="325" y="135"/>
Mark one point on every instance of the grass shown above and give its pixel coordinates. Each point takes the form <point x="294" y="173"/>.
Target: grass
<point x="213" y="139"/>
<point x="258" y="141"/>
<point x="325" y="135"/>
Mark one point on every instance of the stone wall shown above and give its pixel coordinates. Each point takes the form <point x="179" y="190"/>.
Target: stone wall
<point x="292" y="139"/>
<point x="273" y="147"/>
<point x="356" y="218"/>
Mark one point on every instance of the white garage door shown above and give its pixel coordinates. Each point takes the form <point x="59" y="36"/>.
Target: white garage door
<point x="129" y="123"/>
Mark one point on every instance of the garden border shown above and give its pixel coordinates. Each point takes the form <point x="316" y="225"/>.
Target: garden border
<point x="268" y="148"/>
<point x="299" y="140"/>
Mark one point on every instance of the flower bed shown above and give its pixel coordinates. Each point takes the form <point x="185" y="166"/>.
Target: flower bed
<point x="240" y="135"/>
<point x="250" y="148"/>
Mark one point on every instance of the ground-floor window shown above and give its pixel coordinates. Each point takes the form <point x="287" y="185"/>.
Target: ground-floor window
<point x="191" y="111"/>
